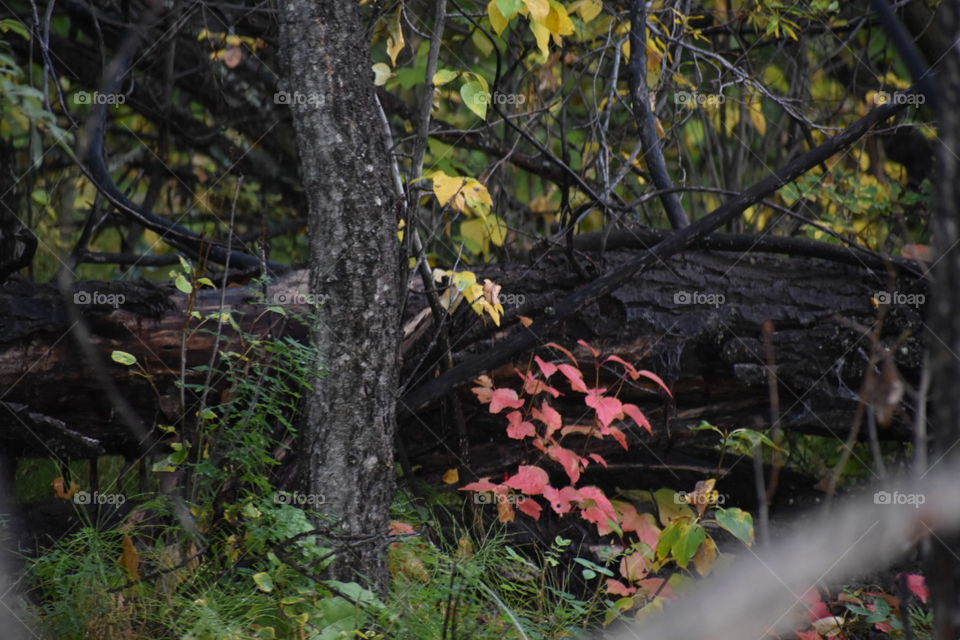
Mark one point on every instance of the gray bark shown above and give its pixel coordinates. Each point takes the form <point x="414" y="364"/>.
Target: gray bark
<point x="348" y="435"/>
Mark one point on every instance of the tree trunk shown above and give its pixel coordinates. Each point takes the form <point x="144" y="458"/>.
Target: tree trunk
<point x="944" y="567"/>
<point x="348" y="434"/>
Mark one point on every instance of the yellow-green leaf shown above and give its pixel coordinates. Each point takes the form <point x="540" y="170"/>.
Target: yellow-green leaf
<point x="183" y="284"/>
<point x="443" y="76"/>
<point x="670" y="507"/>
<point x="381" y="73"/>
<point x="263" y="581"/>
<point x="542" y="34"/>
<point x="124" y="358"/>
<point x="476" y="98"/>
<point x="738" y="522"/>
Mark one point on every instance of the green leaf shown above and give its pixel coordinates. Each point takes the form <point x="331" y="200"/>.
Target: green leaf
<point x="183" y="284"/>
<point x="207" y="282"/>
<point x="16" y="26"/>
<point x="186" y="266"/>
<point x="124" y="358"/>
<point x="279" y="310"/>
<point x="40" y="197"/>
<point x="476" y="98"/>
<point x="688" y="542"/>
<point x="667" y="538"/>
<point x="263" y="581"/>
<point x="738" y="522"/>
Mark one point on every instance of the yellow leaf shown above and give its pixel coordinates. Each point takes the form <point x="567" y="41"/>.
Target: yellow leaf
<point x="498" y="21"/>
<point x="395" y="42"/>
<point x="452" y="476"/>
<point x="445" y="187"/>
<point x="477" y="197"/>
<point x="755" y="109"/>
<point x="558" y="22"/>
<point x="539" y="9"/>
<point x="588" y="9"/>
<point x="542" y="34"/>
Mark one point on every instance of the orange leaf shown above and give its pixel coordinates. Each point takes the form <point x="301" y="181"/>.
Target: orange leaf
<point x="129" y="559"/>
<point x="61" y="491"/>
<point x="525" y="321"/>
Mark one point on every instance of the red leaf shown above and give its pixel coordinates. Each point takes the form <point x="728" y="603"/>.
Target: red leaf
<point x="546" y="368"/>
<point x="596" y="457"/>
<point x="530" y="507"/>
<point x="809" y="635"/>
<point x="607" y="408"/>
<point x="518" y="429"/>
<point x="398" y="528"/>
<point x="618" y="436"/>
<point x="568" y="460"/>
<point x="529" y="479"/>
<point x="548" y="416"/>
<point x="483" y="484"/>
<point x="652" y="376"/>
<point x="504" y="398"/>
<point x="596" y="508"/>
<point x="595" y="353"/>
<point x="561" y="499"/>
<point x="533" y="385"/>
<point x="643" y="524"/>
<point x="574" y="376"/>
<point x="634" y="412"/>
<point x="633" y="567"/>
<point x="617" y="588"/>
<point x="918" y="585"/>
<point x="632" y="370"/>
<point x="816" y="608"/>
<point x="565" y="352"/>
